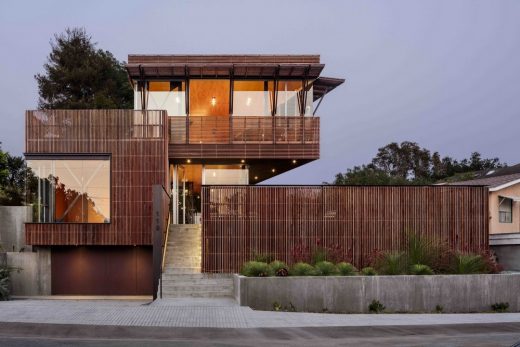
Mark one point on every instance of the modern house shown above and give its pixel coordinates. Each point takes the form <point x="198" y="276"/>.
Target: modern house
<point x="504" y="212"/>
<point x="147" y="200"/>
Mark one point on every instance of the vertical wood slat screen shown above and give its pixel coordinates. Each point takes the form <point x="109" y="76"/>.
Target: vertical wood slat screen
<point x="137" y="142"/>
<point x="239" y="221"/>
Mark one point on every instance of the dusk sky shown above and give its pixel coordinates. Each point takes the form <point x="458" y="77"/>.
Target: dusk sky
<point x="445" y="74"/>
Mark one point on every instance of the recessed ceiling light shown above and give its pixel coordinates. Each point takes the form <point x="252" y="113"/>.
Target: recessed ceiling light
<point x="242" y="161"/>
<point x="256" y="177"/>
<point x="273" y="170"/>
<point x="294" y="161"/>
<point x="188" y="161"/>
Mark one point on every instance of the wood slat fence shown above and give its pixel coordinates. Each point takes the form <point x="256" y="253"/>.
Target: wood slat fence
<point x="239" y="221"/>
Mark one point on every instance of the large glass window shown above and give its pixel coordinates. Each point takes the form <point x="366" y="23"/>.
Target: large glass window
<point x="287" y="100"/>
<point x="163" y="95"/>
<point x="290" y="96"/>
<point x="252" y="98"/>
<point x="225" y="174"/>
<point x="72" y="190"/>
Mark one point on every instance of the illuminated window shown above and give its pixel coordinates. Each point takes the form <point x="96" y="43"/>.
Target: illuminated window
<point x="252" y="98"/>
<point x="72" y="190"/>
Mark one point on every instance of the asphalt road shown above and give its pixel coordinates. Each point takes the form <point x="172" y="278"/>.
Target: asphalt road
<point x="40" y="335"/>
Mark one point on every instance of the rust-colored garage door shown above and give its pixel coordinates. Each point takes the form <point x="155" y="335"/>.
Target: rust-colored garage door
<point x="96" y="270"/>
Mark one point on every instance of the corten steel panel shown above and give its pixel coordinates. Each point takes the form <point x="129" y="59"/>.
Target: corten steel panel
<point x="239" y="221"/>
<point x="101" y="270"/>
<point x="244" y="137"/>
<point x="137" y="142"/>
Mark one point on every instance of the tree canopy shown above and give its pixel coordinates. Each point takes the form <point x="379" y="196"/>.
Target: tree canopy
<point x="80" y="76"/>
<point x="17" y="182"/>
<point x="408" y="163"/>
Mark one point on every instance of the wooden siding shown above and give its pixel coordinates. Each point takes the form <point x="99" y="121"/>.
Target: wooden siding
<point x="244" y="137"/>
<point x="137" y="144"/>
<point x="240" y="221"/>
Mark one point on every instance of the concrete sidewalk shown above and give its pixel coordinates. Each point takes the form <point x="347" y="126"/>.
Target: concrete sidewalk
<point x="214" y="313"/>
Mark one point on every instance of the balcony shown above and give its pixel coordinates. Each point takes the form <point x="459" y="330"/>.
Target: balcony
<point x="251" y="137"/>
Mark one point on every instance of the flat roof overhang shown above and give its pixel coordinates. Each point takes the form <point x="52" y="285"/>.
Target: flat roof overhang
<point x="160" y="67"/>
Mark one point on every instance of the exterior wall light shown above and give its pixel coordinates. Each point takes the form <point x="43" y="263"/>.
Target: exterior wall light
<point x="213" y="101"/>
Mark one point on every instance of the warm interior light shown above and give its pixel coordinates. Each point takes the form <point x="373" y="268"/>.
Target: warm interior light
<point x="273" y="170"/>
<point x="214" y="174"/>
<point x="213" y="101"/>
<point x="294" y="161"/>
<point x="256" y="177"/>
<point x="242" y="161"/>
<point x="188" y="161"/>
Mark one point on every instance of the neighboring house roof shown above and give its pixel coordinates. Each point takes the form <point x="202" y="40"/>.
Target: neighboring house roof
<point x="508" y="170"/>
<point x="493" y="182"/>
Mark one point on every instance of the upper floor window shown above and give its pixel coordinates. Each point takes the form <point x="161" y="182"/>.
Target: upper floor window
<point x="505" y="210"/>
<point x="253" y="98"/>
<point x="162" y="95"/>
<point x="72" y="190"/>
<point x="291" y="97"/>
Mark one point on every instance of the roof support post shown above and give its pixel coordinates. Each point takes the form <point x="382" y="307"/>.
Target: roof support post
<point x="231" y="91"/>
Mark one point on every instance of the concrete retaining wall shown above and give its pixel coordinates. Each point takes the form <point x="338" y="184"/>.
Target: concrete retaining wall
<point x="35" y="275"/>
<point x="456" y="293"/>
<point x="12" y="219"/>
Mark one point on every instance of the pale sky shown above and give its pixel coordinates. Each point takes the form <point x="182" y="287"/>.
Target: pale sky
<point x="445" y="74"/>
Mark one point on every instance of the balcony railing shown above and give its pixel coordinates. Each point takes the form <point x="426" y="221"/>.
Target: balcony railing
<point x="242" y="130"/>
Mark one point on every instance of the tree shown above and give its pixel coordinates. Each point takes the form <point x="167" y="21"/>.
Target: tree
<point x="408" y="163"/>
<point x="17" y="182"/>
<point x="79" y="76"/>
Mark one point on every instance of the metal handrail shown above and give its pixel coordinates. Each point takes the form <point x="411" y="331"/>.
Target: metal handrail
<point x="165" y="245"/>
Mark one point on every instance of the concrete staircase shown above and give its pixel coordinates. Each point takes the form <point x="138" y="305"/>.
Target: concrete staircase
<point x="182" y="275"/>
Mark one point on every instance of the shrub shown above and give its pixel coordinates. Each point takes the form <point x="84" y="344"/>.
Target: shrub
<point x="325" y="268"/>
<point x="302" y="269"/>
<point x="439" y="309"/>
<point x="279" y="268"/>
<point x="256" y="269"/>
<point x="467" y="263"/>
<point x="277" y="306"/>
<point x="500" y="307"/>
<point x="376" y="307"/>
<point x="263" y="257"/>
<point x="346" y="269"/>
<point x="390" y="263"/>
<point x="300" y="253"/>
<point x="492" y="266"/>
<point x="5" y="272"/>
<point x="420" y="269"/>
<point x="319" y="255"/>
<point x="368" y="271"/>
<point x="420" y="250"/>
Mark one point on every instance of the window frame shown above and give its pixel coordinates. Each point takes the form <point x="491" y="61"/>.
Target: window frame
<point x="502" y="201"/>
<point x="77" y="156"/>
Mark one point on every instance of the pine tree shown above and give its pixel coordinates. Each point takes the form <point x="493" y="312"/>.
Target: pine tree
<point x="80" y="76"/>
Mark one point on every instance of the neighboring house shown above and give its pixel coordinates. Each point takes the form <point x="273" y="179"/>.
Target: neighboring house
<point x="504" y="212"/>
<point x="205" y="130"/>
